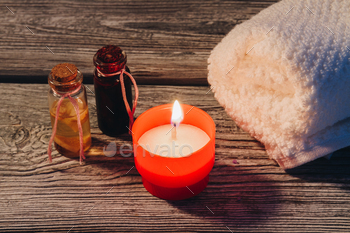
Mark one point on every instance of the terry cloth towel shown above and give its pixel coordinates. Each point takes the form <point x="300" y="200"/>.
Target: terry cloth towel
<point x="284" y="76"/>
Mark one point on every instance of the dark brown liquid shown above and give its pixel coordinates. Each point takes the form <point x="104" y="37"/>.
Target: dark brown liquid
<point x="112" y="116"/>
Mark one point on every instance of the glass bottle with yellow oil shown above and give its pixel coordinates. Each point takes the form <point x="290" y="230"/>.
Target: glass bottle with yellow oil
<point x="67" y="96"/>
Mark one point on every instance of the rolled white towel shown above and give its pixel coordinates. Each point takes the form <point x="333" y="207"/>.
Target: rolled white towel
<point x="284" y="76"/>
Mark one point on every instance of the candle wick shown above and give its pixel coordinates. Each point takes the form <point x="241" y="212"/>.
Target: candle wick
<point x="173" y="132"/>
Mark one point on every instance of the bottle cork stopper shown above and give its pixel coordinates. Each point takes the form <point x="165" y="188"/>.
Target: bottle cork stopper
<point x="110" y="59"/>
<point x="64" y="72"/>
<point x="110" y="54"/>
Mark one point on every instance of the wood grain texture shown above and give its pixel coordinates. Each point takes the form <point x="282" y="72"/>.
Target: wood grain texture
<point x="167" y="42"/>
<point x="247" y="191"/>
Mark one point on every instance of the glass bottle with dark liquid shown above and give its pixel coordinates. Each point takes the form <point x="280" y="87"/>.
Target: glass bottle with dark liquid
<point x="112" y="115"/>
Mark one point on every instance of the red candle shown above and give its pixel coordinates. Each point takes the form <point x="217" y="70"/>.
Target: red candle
<point x="175" y="177"/>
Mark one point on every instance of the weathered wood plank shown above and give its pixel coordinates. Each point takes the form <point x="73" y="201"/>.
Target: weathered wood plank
<point x="247" y="191"/>
<point x="167" y="42"/>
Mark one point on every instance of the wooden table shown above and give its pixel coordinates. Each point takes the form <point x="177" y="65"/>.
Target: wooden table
<point x="167" y="43"/>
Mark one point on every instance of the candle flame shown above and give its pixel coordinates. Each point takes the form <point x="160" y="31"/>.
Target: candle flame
<point x="177" y="115"/>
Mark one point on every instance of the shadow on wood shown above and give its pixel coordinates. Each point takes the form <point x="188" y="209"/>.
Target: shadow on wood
<point x="234" y="203"/>
<point x="333" y="171"/>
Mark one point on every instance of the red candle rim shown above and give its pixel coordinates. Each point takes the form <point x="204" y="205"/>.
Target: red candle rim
<point x="174" y="172"/>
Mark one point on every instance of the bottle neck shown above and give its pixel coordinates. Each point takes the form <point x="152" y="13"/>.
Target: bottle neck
<point x="109" y="59"/>
<point x="62" y="87"/>
<point x="109" y="69"/>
